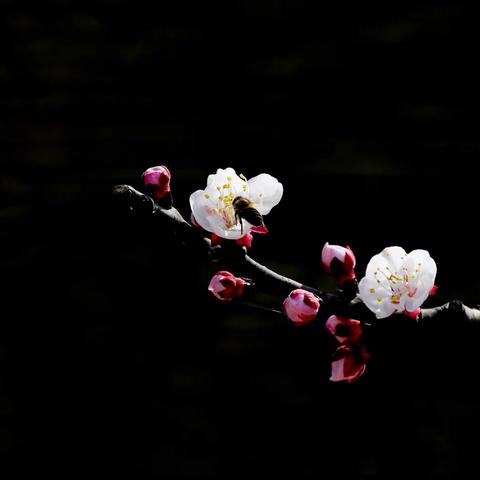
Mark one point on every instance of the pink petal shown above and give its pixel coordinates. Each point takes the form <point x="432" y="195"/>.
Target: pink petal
<point x="345" y="367"/>
<point x="345" y="330"/>
<point x="156" y="181"/>
<point x="301" y="306"/>
<point x="225" y="286"/>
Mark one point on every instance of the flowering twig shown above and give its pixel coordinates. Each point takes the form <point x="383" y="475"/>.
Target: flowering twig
<point x="141" y="204"/>
<point x="231" y="208"/>
<point x="265" y="278"/>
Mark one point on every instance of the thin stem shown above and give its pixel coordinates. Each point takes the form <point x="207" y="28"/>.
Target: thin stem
<point x="261" y="307"/>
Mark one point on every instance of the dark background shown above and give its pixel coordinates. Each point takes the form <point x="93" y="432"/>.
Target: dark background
<point x="113" y="358"/>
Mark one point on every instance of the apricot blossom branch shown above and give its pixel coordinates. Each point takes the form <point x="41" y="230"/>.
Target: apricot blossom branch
<point x="142" y="204"/>
<point x="221" y="230"/>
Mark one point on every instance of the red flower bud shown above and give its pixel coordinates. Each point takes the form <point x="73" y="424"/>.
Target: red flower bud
<point x="301" y="306"/>
<point x="225" y="286"/>
<point x="345" y="330"/>
<point x="156" y="181"/>
<point x="339" y="261"/>
<point x="347" y="365"/>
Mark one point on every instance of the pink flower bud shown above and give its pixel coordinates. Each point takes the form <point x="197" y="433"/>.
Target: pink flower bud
<point x="347" y="365"/>
<point x="339" y="261"/>
<point x="225" y="286"/>
<point x="156" y="181"/>
<point x="433" y="290"/>
<point x="345" y="330"/>
<point x="301" y="306"/>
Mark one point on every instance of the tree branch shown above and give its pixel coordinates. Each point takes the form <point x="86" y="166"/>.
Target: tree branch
<point x="343" y="302"/>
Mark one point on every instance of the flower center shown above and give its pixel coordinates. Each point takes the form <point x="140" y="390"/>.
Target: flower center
<point x="398" y="284"/>
<point x="223" y="203"/>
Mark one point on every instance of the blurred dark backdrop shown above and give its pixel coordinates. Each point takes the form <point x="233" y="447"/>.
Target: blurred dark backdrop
<point x="113" y="359"/>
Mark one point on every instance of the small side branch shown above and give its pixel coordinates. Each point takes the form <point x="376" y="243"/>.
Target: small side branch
<point x="453" y="309"/>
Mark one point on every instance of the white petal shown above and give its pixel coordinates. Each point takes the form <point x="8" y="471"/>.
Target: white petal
<point x="391" y="260"/>
<point x="376" y="297"/>
<point x="217" y="226"/>
<point x="329" y="252"/>
<point x="412" y="303"/>
<point x="385" y="310"/>
<point x="420" y="263"/>
<point x="421" y="270"/>
<point x="201" y="209"/>
<point x="376" y="263"/>
<point x="223" y="177"/>
<point x="265" y="191"/>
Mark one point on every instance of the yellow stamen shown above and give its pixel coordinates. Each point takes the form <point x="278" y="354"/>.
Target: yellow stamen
<point x="227" y="185"/>
<point x="229" y="179"/>
<point x="372" y="290"/>
<point x="379" y="299"/>
<point x="395" y="299"/>
<point x="207" y="196"/>
<point x="260" y="195"/>
<point x="242" y="176"/>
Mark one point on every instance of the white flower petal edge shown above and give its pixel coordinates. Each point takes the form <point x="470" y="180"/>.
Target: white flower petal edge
<point x="212" y="207"/>
<point x="265" y="191"/>
<point x="396" y="281"/>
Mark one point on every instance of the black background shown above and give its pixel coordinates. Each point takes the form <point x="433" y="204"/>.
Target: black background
<point x="113" y="358"/>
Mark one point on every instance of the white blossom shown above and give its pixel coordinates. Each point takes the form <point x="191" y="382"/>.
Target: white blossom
<point x="213" y="209"/>
<point x="396" y="281"/>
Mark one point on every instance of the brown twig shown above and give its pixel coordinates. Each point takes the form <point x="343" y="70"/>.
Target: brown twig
<point x="340" y="303"/>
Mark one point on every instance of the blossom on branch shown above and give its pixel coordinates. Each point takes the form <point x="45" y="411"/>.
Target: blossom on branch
<point x="214" y="209"/>
<point x="156" y="181"/>
<point x="349" y="361"/>
<point x="345" y="330"/>
<point x="339" y="261"/>
<point x="226" y="286"/>
<point x="397" y="282"/>
<point x="394" y="282"/>
<point x="301" y="306"/>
